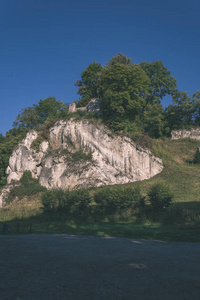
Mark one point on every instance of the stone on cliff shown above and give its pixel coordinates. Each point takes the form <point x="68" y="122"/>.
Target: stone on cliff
<point x="93" y="106"/>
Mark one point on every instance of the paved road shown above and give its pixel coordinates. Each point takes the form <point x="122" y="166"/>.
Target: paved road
<point x="59" y="267"/>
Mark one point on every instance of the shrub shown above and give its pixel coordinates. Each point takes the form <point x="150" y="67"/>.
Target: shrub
<point x="80" y="155"/>
<point x="52" y="200"/>
<point x="79" y="202"/>
<point x="36" y="143"/>
<point x="196" y="159"/>
<point x="74" y="203"/>
<point x="27" y="186"/>
<point x="160" y="196"/>
<point x="114" y="200"/>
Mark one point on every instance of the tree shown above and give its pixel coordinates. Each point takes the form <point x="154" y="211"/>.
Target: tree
<point x="35" y="116"/>
<point x="123" y="90"/>
<point x="27" y="118"/>
<point x="161" y="81"/>
<point x="160" y="196"/>
<point x="50" y="108"/>
<point x="88" y="86"/>
<point x="131" y="94"/>
<point x="120" y="58"/>
<point x="196" y="101"/>
<point x="153" y="120"/>
<point x="181" y="113"/>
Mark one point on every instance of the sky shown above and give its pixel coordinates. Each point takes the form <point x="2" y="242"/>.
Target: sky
<point x="46" y="44"/>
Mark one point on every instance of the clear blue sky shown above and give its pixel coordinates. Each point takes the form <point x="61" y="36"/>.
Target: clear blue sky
<point x="46" y="44"/>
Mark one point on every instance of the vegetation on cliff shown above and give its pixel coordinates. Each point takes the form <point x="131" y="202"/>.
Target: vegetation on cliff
<point x="132" y="97"/>
<point x="180" y="221"/>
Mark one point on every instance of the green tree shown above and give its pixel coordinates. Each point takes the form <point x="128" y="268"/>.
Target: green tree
<point x="27" y="118"/>
<point x="161" y="81"/>
<point x="160" y="196"/>
<point x="181" y="113"/>
<point x="196" y="159"/>
<point x="131" y="94"/>
<point x="50" y="108"/>
<point x="153" y="120"/>
<point x="123" y="90"/>
<point x="196" y="101"/>
<point x="88" y="86"/>
<point x="120" y="58"/>
<point x="38" y="114"/>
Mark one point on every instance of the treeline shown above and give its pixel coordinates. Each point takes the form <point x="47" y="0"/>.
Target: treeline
<point x="132" y="96"/>
<point x="107" y="202"/>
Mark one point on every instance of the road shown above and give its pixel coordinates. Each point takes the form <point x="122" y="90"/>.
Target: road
<point x="59" y="267"/>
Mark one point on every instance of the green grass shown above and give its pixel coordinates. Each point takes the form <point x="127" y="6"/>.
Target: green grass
<point x="182" y="177"/>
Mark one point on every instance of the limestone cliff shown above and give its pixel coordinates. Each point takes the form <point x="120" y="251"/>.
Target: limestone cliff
<point x="82" y="154"/>
<point x="193" y="133"/>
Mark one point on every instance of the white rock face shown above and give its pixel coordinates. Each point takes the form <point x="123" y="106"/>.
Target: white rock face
<point x="93" y="106"/>
<point x="115" y="159"/>
<point x="194" y="133"/>
<point x="24" y="158"/>
<point x="5" y="192"/>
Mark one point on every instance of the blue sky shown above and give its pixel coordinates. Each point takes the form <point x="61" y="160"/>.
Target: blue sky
<point x="46" y="44"/>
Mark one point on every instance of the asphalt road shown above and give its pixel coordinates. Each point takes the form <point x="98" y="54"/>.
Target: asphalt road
<point x="57" y="267"/>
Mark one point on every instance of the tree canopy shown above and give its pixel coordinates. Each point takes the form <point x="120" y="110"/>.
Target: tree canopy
<point x="33" y="117"/>
<point x="131" y="97"/>
<point x="131" y="93"/>
<point x="88" y="85"/>
<point x="37" y="115"/>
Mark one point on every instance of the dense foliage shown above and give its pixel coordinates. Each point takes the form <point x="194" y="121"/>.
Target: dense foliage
<point x="115" y="200"/>
<point x="7" y="144"/>
<point x="40" y="116"/>
<point x="74" y="203"/>
<point x="87" y="86"/>
<point x="196" y="159"/>
<point x="131" y="102"/>
<point x="27" y="186"/>
<point x="160" y="197"/>
<point x="132" y="96"/>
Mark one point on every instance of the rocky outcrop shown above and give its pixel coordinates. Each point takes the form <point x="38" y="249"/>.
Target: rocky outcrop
<point x="93" y="106"/>
<point x="82" y="154"/>
<point x="194" y="133"/>
<point x="24" y="158"/>
<point x="5" y="192"/>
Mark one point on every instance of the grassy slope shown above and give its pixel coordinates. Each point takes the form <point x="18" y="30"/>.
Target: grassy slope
<point x="179" y="174"/>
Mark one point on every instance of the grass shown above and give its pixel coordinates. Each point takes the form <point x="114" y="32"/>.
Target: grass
<point x="182" y="177"/>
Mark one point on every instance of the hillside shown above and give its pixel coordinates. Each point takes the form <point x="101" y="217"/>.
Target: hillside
<point x="107" y="157"/>
<point x="180" y="222"/>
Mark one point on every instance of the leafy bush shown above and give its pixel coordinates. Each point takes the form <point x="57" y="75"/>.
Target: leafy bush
<point x="114" y="200"/>
<point x="36" y="143"/>
<point x="74" y="203"/>
<point x="196" y="159"/>
<point x="160" y="196"/>
<point x="27" y="186"/>
<point x="80" y="155"/>
<point x="79" y="201"/>
<point x="52" y="200"/>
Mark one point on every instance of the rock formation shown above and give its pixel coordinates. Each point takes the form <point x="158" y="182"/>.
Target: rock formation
<point x="194" y="133"/>
<point x="82" y="154"/>
<point x="93" y="106"/>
